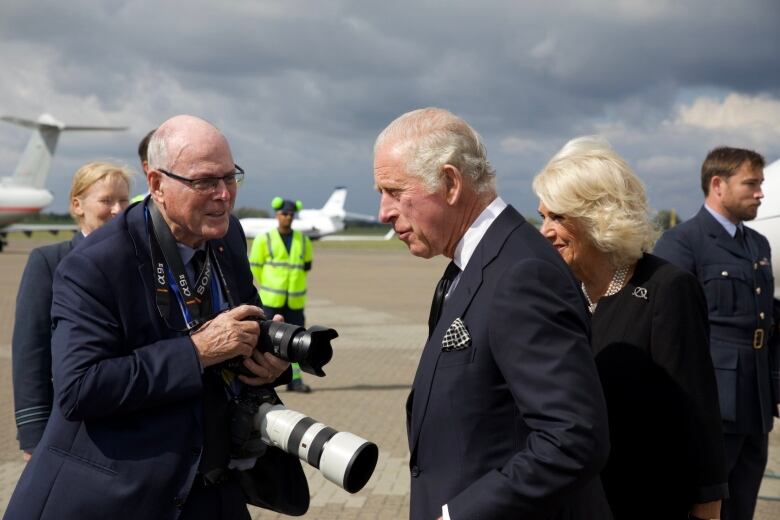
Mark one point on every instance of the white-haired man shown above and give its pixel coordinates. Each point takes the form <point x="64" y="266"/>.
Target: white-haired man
<point x="506" y="418"/>
<point x="140" y="423"/>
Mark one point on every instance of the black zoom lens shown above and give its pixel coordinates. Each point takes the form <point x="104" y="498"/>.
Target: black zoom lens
<point x="310" y="348"/>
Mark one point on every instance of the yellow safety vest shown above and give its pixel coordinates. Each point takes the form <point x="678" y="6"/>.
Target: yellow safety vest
<point x="279" y="275"/>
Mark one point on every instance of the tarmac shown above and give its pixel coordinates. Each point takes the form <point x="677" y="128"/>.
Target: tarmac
<point x="376" y="295"/>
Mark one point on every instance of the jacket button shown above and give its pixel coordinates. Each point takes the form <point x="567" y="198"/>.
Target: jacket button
<point x="761" y="315"/>
<point x="415" y="471"/>
<point x="724" y="273"/>
<point x="758" y="290"/>
<point x="179" y="502"/>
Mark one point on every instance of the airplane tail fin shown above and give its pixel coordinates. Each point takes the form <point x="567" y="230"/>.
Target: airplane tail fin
<point x="35" y="164"/>
<point x="334" y="206"/>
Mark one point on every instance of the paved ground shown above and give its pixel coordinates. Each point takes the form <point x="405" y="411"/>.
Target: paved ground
<point x="377" y="297"/>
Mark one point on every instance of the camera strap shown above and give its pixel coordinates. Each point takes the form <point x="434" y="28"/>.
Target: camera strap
<point x="168" y="266"/>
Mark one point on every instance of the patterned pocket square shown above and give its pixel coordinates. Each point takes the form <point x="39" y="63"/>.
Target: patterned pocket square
<point x="457" y="337"/>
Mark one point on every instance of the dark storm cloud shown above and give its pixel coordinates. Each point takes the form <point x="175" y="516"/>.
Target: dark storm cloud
<point x="301" y="88"/>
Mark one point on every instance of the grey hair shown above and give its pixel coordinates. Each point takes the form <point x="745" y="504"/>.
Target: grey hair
<point x="428" y="138"/>
<point x="588" y="180"/>
<point x="157" y="150"/>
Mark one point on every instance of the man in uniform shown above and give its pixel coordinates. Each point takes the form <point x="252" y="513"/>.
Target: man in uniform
<point x="733" y="264"/>
<point x="280" y="260"/>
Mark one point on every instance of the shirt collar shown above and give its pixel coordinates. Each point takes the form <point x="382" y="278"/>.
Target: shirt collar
<point x="470" y="240"/>
<point x="186" y="252"/>
<point x="728" y="225"/>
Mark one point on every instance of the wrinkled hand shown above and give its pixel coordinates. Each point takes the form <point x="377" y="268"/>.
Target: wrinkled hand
<point x="265" y="366"/>
<point x="228" y="336"/>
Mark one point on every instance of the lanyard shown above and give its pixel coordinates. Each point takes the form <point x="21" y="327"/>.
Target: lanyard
<point x="171" y="276"/>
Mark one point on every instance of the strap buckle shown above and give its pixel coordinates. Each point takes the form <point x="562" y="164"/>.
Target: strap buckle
<point x="758" y="339"/>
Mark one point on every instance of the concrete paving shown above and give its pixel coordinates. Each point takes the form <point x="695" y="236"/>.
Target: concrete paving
<point x="377" y="297"/>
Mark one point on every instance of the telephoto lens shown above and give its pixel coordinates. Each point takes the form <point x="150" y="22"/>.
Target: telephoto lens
<point x="342" y="457"/>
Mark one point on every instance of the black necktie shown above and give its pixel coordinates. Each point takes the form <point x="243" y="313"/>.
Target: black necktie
<point x="438" y="296"/>
<point x="741" y="239"/>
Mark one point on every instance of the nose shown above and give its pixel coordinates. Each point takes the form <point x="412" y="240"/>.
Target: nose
<point x="221" y="190"/>
<point x="759" y="193"/>
<point x="387" y="211"/>
<point x="116" y="208"/>
<point x="547" y="231"/>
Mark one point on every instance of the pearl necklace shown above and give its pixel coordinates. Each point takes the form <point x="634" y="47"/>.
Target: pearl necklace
<point x="614" y="286"/>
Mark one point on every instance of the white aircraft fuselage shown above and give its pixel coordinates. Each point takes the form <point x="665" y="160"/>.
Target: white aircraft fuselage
<point x="767" y="222"/>
<point x="315" y="223"/>
<point x="19" y="202"/>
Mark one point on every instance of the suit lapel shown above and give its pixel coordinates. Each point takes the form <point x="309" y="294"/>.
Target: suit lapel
<point x="722" y="239"/>
<point x="456" y="305"/>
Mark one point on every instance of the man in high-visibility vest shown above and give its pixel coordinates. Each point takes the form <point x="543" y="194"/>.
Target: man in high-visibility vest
<point x="280" y="260"/>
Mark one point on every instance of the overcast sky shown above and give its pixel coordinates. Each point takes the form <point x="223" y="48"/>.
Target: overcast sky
<point x="302" y="87"/>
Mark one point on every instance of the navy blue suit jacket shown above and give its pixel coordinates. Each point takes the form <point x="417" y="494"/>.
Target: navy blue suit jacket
<point x="738" y="286"/>
<point x="32" y="341"/>
<point x="515" y="425"/>
<point x="126" y="432"/>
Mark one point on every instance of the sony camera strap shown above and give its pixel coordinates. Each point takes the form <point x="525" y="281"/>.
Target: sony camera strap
<point x="167" y="262"/>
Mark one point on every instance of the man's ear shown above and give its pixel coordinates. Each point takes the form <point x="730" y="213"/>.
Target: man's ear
<point x="154" y="180"/>
<point x="452" y="181"/>
<point x="716" y="185"/>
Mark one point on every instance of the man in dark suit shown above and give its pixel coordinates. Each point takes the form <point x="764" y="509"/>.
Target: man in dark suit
<point x="140" y="424"/>
<point x="733" y="264"/>
<point x="506" y="418"/>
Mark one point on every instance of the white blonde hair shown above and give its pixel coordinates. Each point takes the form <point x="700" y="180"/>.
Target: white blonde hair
<point x="589" y="181"/>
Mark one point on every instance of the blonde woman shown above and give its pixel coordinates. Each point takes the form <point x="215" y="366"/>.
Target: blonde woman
<point x="649" y="336"/>
<point x="99" y="191"/>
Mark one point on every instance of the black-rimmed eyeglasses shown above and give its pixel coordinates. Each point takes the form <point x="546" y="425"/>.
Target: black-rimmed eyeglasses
<point x="208" y="184"/>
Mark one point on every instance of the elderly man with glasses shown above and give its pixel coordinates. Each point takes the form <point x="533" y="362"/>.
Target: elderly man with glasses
<point x="145" y="311"/>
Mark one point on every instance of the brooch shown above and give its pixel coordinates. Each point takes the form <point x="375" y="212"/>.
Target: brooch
<point x="640" y="292"/>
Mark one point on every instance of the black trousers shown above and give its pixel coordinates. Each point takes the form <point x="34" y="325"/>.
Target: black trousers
<point x="746" y="456"/>
<point x="225" y="501"/>
<point x="292" y="316"/>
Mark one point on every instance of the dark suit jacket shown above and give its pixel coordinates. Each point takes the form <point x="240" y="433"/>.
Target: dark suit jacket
<point x="738" y="287"/>
<point x="126" y="432"/>
<point x="515" y="425"/>
<point x="31" y="344"/>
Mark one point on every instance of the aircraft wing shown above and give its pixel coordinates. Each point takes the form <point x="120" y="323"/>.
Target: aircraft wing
<point x="358" y="217"/>
<point x="28" y="229"/>
<point x="360" y="238"/>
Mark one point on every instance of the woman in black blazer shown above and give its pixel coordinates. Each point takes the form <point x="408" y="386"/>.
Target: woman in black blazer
<point x="99" y="191"/>
<point x="649" y="336"/>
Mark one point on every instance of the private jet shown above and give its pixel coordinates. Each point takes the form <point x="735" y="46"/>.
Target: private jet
<point x="23" y="194"/>
<point x="315" y="223"/>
